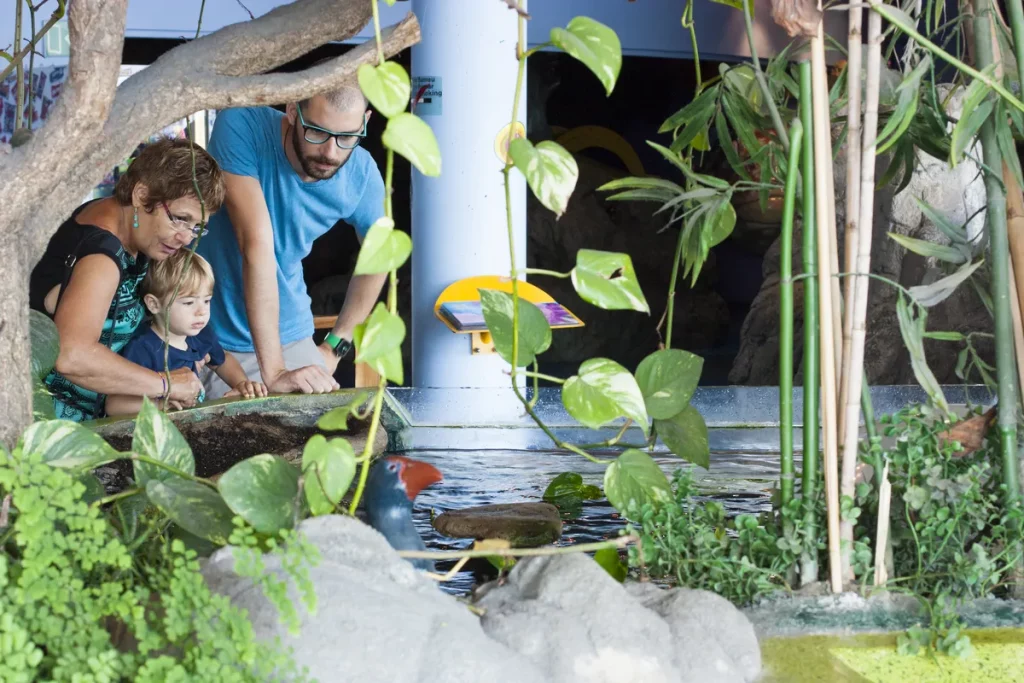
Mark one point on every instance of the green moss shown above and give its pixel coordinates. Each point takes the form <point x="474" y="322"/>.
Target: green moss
<point x="998" y="656"/>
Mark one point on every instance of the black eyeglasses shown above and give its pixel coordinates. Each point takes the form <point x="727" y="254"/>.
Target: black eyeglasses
<point x="318" y="136"/>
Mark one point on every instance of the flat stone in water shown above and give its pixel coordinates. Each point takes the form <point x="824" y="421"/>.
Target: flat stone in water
<point x="524" y="525"/>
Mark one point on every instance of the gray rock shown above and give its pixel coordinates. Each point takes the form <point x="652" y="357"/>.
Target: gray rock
<point x="377" y="619"/>
<point x="524" y="525"/>
<point x="608" y="632"/>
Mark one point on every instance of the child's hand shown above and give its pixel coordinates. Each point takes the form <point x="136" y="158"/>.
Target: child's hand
<point x="248" y="389"/>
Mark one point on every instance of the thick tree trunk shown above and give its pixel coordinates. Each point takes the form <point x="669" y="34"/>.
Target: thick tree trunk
<point x="15" y="354"/>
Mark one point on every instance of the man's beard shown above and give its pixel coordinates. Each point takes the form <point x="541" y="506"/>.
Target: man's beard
<point x="307" y="161"/>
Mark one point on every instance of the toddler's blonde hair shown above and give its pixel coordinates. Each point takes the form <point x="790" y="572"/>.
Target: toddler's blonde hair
<point x="163" y="276"/>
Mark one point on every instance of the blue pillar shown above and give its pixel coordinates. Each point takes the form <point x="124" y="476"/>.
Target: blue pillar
<point x="458" y="220"/>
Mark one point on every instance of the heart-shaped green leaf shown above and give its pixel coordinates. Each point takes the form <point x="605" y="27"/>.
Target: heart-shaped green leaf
<point x="634" y="479"/>
<point x="386" y="86"/>
<point x="378" y="343"/>
<point x="263" y="490"/>
<point x="594" y="44"/>
<point x="336" y="419"/>
<point x="610" y="561"/>
<point x="384" y="249"/>
<point x="42" y="402"/>
<point x="411" y="137"/>
<point x="549" y="169"/>
<point x="603" y="391"/>
<point x="45" y="342"/>
<point x="127" y="512"/>
<point x="568" y="490"/>
<point x="534" y="330"/>
<point x="192" y="506"/>
<point x="667" y="379"/>
<point x="93" y="488"/>
<point x="607" y="280"/>
<point x="66" y="444"/>
<point x="686" y="435"/>
<point x="156" y="437"/>
<point x="327" y="470"/>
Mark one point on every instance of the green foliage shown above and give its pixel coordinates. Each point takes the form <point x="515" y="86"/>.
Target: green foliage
<point x="383" y="249"/>
<point x="157" y="438"/>
<point x="336" y="419"/>
<point x="567" y="492"/>
<point x="686" y="435"/>
<point x="411" y="137"/>
<point x="603" y="391"/>
<point x="45" y="343"/>
<point x="194" y="507"/>
<point x="66" y="444"/>
<point x="607" y="280"/>
<point x="76" y="597"/>
<point x="386" y="86"/>
<point x="594" y="44"/>
<point x="694" y="542"/>
<point x="667" y="380"/>
<point x="264" y="491"/>
<point x="533" y="328"/>
<point x="610" y="561"/>
<point x="633" y="480"/>
<point x="549" y="169"/>
<point x="328" y="468"/>
<point x="378" y="343"/>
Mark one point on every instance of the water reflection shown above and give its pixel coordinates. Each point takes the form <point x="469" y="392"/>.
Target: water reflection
<point x="740" y="482"/>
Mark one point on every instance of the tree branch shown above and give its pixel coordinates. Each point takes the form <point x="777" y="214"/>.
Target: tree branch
<point x="222" y="69"/>
<point x="31" y="171"/>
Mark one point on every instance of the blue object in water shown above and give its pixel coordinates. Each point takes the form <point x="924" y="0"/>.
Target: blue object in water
<point x="391" y="488"/>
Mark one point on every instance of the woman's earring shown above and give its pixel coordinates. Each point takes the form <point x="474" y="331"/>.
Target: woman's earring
<point x="135" y="219"/>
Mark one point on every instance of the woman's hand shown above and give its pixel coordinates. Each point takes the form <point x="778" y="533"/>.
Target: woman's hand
<point x="185" y="387"/>
<point x="248" y="389"/>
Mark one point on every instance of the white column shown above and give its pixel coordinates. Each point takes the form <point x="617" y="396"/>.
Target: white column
<point x="458" y="219"/>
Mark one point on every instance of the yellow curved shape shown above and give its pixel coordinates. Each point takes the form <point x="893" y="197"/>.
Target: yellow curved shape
<point x="585" y="137"/>
<point x="469" y="288"/>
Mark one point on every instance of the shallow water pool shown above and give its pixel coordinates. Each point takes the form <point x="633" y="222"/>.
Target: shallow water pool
<point x="741" y="482"/>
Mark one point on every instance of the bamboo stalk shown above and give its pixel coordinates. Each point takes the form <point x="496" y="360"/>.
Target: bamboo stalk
<point x="999" y="247"/>
<point x="882" y="527"/>
<point x="19" y="80"/>
<point x="809" y="484"/>
<point x="786" y="316"/>
<point x="1015" y="234"/>
<point x="854" y="372"/>
<point x="826" y="238"/>
<point x="854" y="45"/>
<point x="1018" y="328"/>
<point x="1015" y="8"/>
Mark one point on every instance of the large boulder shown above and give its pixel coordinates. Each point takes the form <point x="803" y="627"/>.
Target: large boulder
<point x="377" y="618"/>
<point x="566" y="614"/>
<point x="556" y="619"/>
<point x="958" y="194"/>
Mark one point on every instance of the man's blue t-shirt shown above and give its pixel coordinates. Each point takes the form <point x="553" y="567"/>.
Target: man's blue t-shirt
<point x="248" y="142"/>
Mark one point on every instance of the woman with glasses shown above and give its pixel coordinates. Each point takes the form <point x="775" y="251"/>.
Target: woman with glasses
<point x="88" y="279"/>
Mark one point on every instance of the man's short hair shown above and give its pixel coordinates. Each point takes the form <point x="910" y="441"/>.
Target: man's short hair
<point x="348" y="96"/>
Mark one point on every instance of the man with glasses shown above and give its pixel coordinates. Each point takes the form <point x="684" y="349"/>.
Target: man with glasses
<point x="289" y="177"/>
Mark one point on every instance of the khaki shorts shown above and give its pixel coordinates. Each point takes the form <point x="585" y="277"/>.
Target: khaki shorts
<point x="296" y="355"/>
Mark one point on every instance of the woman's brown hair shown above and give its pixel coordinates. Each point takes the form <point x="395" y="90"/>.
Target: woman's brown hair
<point x="165" y="168"/>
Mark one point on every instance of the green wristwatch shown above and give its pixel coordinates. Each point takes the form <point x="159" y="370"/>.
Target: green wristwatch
<point x="341" y="346"/>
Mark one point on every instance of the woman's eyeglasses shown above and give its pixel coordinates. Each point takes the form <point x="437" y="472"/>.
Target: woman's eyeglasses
<point x="181" y="225"/>
<point x="318" y="136"/>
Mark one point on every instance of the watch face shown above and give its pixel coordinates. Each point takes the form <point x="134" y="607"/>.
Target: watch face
<point x="342" y="349"/>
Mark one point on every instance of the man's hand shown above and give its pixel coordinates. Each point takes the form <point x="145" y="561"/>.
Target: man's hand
<point x="311" y="379"/>
<point x="330" y="360"/>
